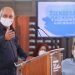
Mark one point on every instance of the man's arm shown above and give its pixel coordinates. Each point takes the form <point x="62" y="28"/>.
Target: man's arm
<point x="21" y="53"/>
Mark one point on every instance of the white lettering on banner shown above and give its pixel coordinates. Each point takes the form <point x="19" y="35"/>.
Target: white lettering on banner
<point x="56" y="65"/>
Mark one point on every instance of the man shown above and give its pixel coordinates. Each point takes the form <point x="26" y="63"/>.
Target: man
<point x="9" y="48"/>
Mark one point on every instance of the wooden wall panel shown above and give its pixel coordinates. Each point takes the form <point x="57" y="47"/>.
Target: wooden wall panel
<point x="22" y="25"/>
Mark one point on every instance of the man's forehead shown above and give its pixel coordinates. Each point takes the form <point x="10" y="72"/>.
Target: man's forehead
<point x="8" y="11"/>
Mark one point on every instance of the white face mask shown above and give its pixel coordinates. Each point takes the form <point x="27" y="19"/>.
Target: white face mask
<point x="41" y="52"/>
<point x="6" y="21"/>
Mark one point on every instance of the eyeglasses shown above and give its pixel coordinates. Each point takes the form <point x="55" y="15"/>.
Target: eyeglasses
<point x="7" y="16"/>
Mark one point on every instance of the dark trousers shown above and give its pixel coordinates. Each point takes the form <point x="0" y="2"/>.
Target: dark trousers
<point x="8" y="71"/>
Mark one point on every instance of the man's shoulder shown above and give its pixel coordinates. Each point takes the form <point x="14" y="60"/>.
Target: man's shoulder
<point x="67" y="60"/>
<point x="1" y="27"/>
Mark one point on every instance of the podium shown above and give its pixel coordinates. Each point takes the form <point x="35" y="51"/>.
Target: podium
<point x="39" y="65"/>
<point x="56" y="62"/>
<point x="46" y="64"/>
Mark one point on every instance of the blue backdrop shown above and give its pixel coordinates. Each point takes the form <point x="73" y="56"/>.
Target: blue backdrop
<point x="57" y="19"/>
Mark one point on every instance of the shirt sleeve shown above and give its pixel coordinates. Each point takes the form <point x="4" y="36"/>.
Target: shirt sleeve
<point x="20" y="51"/>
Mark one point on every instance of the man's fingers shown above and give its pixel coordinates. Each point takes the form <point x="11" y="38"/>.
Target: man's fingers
<point x="9" y="34"/>
<point x="12" y="35"/>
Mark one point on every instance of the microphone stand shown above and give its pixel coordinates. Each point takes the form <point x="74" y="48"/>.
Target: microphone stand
<point x="44" y="31"/>
<point x="47" y="36"/>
